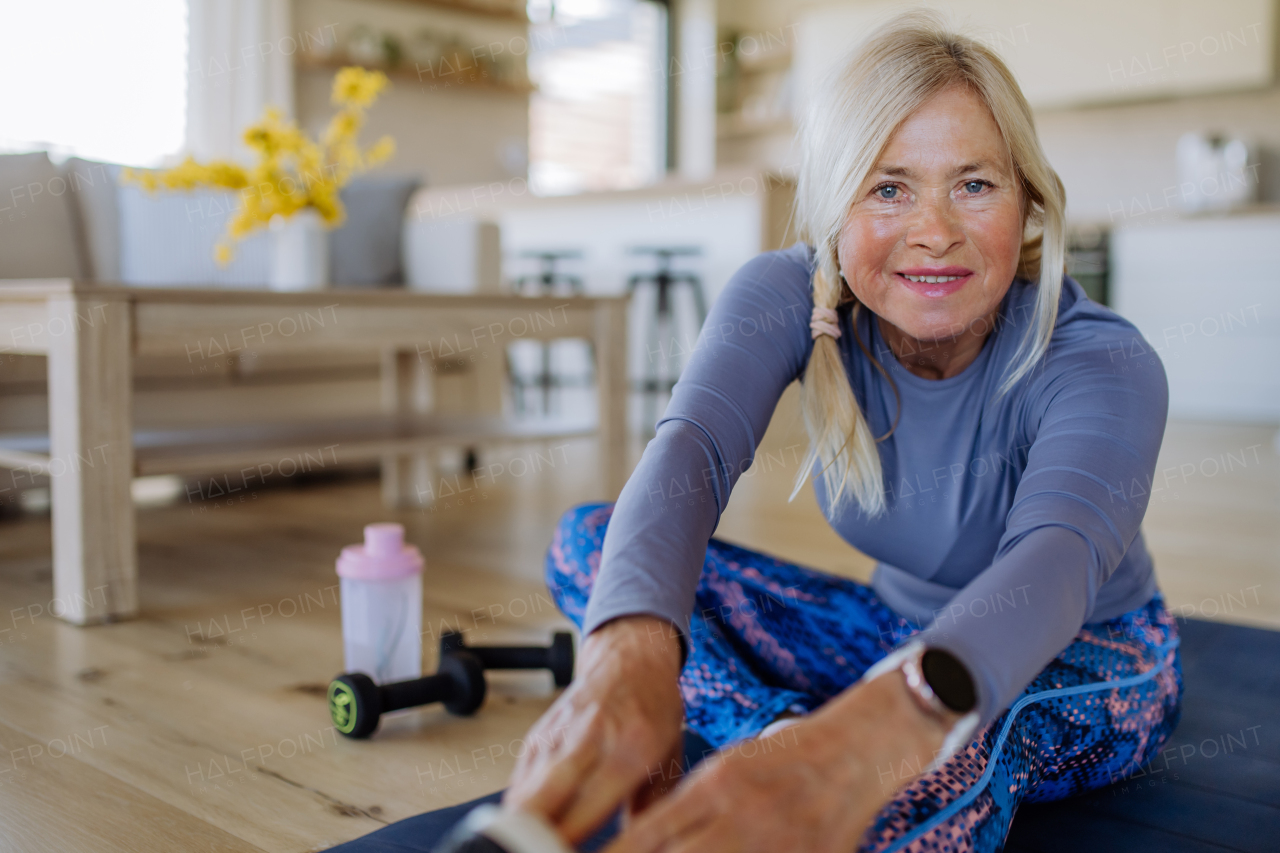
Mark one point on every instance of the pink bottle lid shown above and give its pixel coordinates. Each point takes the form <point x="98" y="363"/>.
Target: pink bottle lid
<point x="382" y="557"/>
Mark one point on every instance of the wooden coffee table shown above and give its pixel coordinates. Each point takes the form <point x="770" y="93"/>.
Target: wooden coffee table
<point x="92" y="332"/>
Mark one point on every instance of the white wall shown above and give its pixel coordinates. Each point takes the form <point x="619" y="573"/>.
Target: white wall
<point x="1083" y="51"/>
<point x="1214" y="322"/>
<point x="1118" y="162"/>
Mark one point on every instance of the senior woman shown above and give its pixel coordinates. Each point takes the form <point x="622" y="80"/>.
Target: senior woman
<point x="977" y="425"/>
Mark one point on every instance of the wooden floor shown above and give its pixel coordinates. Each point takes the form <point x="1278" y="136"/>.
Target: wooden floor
<point x="202" y="725"/>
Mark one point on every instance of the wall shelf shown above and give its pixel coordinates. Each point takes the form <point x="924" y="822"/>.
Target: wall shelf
<point x="483" y="10"/>
<point x="408" y="72"/>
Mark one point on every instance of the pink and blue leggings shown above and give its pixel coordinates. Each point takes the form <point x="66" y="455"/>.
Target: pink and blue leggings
<point x="767" y="637"/>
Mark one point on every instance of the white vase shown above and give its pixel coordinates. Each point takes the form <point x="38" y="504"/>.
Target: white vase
<point x="299" y="252"/>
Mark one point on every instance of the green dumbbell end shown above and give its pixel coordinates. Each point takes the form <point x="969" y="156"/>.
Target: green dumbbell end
<point x="353" y="704"/>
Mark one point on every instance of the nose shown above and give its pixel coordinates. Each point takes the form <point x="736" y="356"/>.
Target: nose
<point x="935" y="226"/>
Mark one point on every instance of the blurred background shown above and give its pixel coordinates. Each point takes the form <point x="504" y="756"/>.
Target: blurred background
<point x="588" y="145"/>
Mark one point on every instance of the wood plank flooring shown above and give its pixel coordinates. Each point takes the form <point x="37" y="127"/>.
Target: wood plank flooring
<point x="202" y="724"/>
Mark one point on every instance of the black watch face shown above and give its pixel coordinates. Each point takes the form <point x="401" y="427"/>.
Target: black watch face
<point x="949" y="679"/>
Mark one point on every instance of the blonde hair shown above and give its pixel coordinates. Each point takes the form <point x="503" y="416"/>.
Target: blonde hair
<point x="900" y="66"/>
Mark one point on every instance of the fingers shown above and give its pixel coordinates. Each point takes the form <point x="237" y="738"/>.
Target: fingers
<point x="549" y="785"/>
<point x="662" y="778"/>
<point x="711" y="837"/>
<point x="613" y="725"/>
<point x="597" y="798"/>
<point x="619" y="778"/>
<point x="667" y="823"/>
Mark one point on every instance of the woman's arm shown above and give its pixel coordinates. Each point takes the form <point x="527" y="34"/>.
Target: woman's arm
<point x="1096" y="421"/>
<point x="602" y="738"/>
<point x="613" y="736"/>
<point x="755" y="342"/>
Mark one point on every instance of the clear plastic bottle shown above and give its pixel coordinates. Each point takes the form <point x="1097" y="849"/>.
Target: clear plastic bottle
<point x="382" y="605"/>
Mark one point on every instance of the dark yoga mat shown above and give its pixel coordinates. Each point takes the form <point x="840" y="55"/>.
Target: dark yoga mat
<point x="1216" y="787"/>
<point x="421" y="833"/>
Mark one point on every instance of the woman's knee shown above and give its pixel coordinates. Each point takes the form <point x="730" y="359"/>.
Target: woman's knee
<point x="574" y="554"/>
<point x="580" y="530"/>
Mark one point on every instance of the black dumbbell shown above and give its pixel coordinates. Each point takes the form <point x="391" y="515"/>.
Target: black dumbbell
<point x="356" y="702"/>
<point x="557" y="657"/>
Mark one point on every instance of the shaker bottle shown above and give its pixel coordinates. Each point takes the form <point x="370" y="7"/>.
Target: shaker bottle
<point x="381" y="584"/>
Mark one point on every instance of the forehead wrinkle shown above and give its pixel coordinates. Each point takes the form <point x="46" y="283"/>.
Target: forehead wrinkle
<point x="969" y="167"/>
<point x="905" y="172"/>
<point x="894" y="171"/>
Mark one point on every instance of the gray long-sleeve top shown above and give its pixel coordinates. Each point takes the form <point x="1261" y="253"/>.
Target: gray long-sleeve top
<point x="1011" y="522"/>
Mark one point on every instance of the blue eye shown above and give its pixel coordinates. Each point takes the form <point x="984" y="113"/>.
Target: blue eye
<point x="888" y="191"/>
<point x="975" y="186"/>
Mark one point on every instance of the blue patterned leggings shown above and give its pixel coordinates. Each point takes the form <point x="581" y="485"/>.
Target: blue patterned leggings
<point x="767" y="637"/>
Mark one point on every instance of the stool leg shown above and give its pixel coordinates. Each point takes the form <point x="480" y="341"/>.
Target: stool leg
<point x="544" y="378"/>
<point x="517" y="383"/>
<point x="655" y="357"/>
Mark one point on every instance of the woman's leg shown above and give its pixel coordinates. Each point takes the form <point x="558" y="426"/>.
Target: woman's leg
<point x="574" y="557"/>
<point x="801" y="629"/>
<point x="1068" y="733"/>
<point x="765" y="637"/>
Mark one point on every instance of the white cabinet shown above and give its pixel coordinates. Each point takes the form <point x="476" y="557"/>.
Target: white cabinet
<point x="1205" y="293"/>
<point x="1079" y="52"/>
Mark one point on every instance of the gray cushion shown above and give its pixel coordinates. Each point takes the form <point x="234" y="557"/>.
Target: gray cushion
<point x="37" y="234"/>
<point x="96" y="210"/>
<point x="167" y="239"/>
<point x="365" y="251"/>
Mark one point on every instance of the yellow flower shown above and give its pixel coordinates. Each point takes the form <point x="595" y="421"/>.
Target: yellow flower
<point x="357" y="86"/>
<point x="343" y="127"/>
<point x="292" y="172"/>
<point x="382" y="151"/>
<point x="274" y="135"/>
<point x="329" y="205"/>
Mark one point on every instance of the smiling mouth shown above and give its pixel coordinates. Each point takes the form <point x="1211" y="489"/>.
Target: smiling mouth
<point x="931" y="279"/>
<point x="936" y="283"/>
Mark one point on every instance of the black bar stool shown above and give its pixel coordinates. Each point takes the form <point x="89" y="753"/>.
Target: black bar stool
<point x="546" y="282"/>
<point x="658" y="375"/>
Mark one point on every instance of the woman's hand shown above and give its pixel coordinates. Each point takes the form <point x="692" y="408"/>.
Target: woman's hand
<point x="814" y="786"/>
<point x="611" y="736"/>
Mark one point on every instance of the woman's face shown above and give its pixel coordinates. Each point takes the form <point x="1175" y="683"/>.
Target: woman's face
<point x="931" y="244"/>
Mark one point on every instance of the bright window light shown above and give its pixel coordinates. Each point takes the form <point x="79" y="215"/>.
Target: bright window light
<point x="598" y="118"/>
<point x="104" y="81"/>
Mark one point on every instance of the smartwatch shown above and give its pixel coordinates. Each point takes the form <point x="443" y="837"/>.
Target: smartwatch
<point x="941" y="686"/>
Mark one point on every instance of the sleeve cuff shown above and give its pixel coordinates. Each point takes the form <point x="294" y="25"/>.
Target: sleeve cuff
<point x="596" y="619"/>
<point x="988" y="706"/>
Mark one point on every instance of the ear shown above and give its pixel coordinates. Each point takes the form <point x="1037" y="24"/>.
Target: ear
<point x="846" y="292"/>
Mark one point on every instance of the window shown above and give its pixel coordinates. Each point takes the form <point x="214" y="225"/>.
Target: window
<point x="598" y="119"/>
<point x="105" y="81"/>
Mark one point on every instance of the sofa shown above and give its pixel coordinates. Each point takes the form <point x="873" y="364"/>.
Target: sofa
<point x="75" y="220"/>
